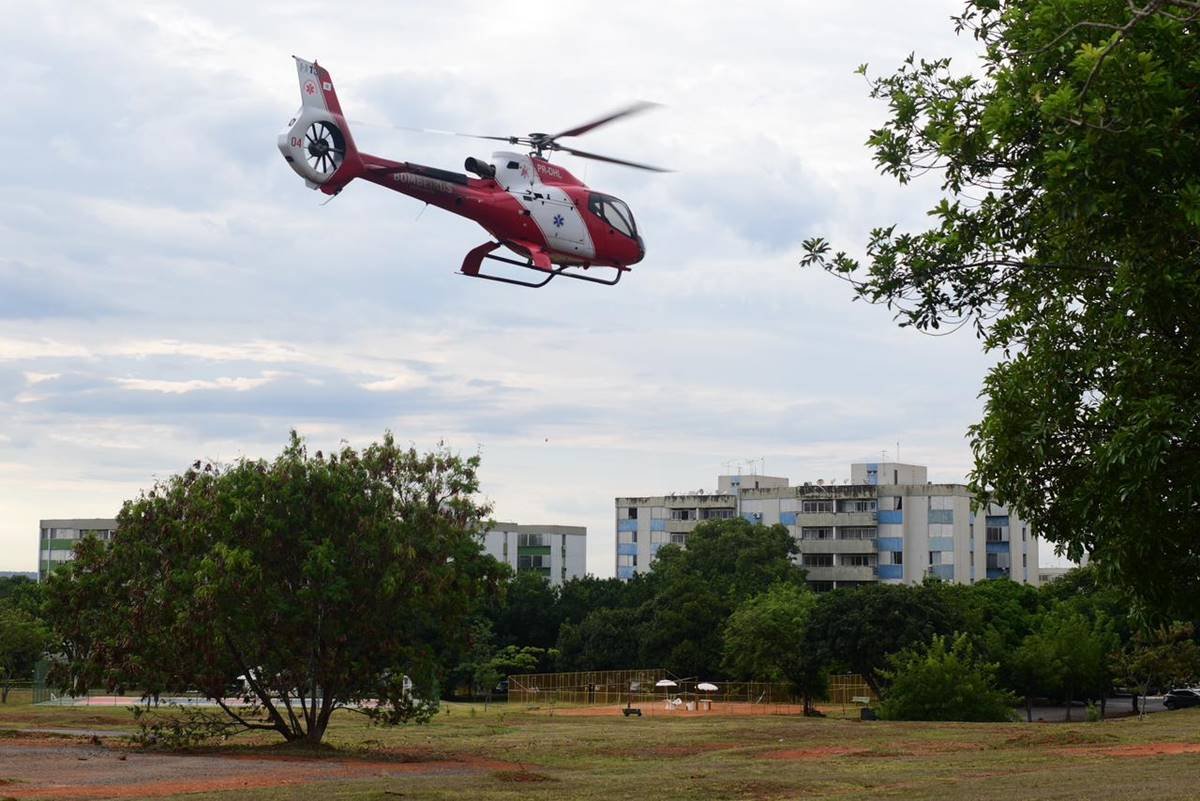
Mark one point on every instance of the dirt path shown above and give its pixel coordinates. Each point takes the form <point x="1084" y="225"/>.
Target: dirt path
<point x="55" y="768"/>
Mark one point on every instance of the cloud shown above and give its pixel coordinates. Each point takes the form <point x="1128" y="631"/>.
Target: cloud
<point x="170" y="290"/>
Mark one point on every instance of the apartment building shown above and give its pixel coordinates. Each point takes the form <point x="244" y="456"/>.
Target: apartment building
<point x="58" y="537"/>
<point x="888" y="524"/>
<point x="556" y="552"/>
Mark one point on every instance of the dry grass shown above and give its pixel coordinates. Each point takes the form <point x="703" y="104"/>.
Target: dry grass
<point x="712" y="758"/>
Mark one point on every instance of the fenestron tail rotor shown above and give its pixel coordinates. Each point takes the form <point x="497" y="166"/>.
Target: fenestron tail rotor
<point x="324" y="147"/>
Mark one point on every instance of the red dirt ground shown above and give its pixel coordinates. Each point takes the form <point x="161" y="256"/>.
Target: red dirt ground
<point x="70" y="769"/>
<point x="1140" y="750"/>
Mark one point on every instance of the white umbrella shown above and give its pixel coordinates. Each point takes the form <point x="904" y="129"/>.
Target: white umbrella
<point x="666" y="684"/>
<point x="706" y="687"/>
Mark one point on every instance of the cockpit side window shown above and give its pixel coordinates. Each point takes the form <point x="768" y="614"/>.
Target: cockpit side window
<point x="614" y="212"/>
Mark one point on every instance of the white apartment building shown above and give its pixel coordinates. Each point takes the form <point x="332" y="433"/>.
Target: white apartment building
<point x="888" y="524"/>
<point x="556" y="552"/>
<point x="57" y="539"/>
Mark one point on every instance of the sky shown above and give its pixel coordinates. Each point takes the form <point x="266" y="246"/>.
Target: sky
<point x="170" y="290"/>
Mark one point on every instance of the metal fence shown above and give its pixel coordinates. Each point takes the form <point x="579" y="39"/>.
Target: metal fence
<point x="657" y="691"/>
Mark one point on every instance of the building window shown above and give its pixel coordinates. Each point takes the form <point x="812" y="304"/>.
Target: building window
<point x="683" y="514"/>
<point x="856" y="505"/>
<point x="716" y="514"/>
<point x="818" y="560"/>
<point x="678" y="538"/>
<point x="533" y="562"/>
<point x="626" y="536"/>
<point x="816" y="533"/>
<point x="816" y="507"/>
<point x="1024" y="560"/>
<point x="632" y="515"/>
<point x="998" y="561"/>
<point x="659" y="537"/>
<point x="997" y="534"/>
<point x="535" y="540"/>
<point x="858" y="559"/>
<point x="627" y="560"/>
<point x="856" y="533"/>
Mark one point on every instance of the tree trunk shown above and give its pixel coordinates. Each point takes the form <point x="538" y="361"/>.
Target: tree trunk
<point x="1029" y="709"/>
<point x="4" y="694"/>
<point x="1070" y="698"/>
<point x="1103" y="704"/>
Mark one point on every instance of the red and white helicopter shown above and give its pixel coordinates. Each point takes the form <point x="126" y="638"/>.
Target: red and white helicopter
<point x="536" y="209"/>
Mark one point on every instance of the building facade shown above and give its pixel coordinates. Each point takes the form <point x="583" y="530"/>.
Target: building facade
<point x="58" y="537"/>
<point x="556" y="552"/>
<point x="888" y="524"/>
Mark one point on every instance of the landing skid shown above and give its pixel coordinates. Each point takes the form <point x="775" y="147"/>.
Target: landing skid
<point x="474" y="261"/>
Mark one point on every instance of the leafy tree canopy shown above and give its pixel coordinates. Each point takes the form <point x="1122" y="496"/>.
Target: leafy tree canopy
<point x="765" y="640"/>
<point x="858" y="628"/>
<point x="23" y="638"/>
<point x="310" y="582"/>
<point x="943" y="680"/>
<point x="1067" y="237"/>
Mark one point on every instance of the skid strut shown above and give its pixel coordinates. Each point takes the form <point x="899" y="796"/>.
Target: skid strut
<point x="475" y="257"/>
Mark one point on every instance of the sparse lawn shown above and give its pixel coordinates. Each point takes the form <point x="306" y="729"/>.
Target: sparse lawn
<point x="711" y="758"/>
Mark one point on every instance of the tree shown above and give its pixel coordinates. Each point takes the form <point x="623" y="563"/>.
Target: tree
<point x="1075" y="652"/>
<point x="765" y="640"/>
<point x="607" y="639"/>
<point x="860" y="627"/>
<point x="23" y="639"/>
<point x="23" y="593"/>
<point x="696" y="588"/>
<point x="310" y="582"/>
<point x="527" y="613"/>
<point x="1161" y="657"/>
<point x="579" y="597"/>
<point x="735" y="558"/>
<point x="936" y="682"/>
<point x="1067" y="237"/>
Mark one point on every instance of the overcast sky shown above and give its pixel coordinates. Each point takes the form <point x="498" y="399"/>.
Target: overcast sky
<point x="170" y="290"/>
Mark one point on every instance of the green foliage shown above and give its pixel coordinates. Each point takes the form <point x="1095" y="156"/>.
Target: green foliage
<point x="304" y="584"/>
<point x="528" y="613"/>
<point x="23" y="593"/>
<point x="1163" y="657"/>
<point x="1066" y="235"/>
<point x="936" y="682"/>
<point x="858" y="628"/>
<point x="1070" y="655"/>
<point x="765" y="640"/>
<point x="23" y="639"/>
<point x="725" y="563"/>
<point x="607" y="639"/>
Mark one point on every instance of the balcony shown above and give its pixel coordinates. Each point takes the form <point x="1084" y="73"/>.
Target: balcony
<point x="842" y="573"/>
<point x="837" y="546"/>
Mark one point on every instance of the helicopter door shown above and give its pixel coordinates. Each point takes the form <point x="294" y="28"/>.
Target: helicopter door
<point x="559" y="220"/>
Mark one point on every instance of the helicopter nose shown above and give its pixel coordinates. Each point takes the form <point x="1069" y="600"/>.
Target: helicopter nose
<point x="641" y="243"/>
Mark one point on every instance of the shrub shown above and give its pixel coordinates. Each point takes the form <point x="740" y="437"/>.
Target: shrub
<point x="943" y="681"/>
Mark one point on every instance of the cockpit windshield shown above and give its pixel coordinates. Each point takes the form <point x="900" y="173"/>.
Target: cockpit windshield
<point x="614" y="212"/>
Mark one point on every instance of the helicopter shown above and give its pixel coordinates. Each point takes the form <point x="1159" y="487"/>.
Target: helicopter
<point x="537" y="210"/>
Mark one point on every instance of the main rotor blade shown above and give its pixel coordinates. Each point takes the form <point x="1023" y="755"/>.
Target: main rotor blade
<point x="596" y="156"/>
<point x="579" y="130"/>
<point x="430" y="131"/>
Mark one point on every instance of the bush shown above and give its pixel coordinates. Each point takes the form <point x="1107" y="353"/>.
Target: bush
<point x="941" y="682"/>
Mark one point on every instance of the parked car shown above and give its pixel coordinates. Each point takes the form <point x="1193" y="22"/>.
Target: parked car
<point x="1178" y="699"/>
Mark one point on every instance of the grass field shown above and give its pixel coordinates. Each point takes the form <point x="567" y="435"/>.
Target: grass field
<point x="503" y="753"/>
